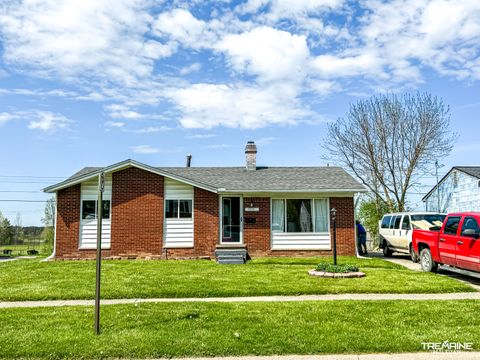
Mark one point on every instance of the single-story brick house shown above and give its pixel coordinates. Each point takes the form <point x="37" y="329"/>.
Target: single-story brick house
<point x="194" y="212"/>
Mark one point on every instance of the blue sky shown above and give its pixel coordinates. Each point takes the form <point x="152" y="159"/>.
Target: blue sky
<point x="89" y="83"/>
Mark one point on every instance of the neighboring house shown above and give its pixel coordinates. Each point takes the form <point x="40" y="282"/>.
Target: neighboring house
<point x="192" y="212"/>
<point x="458" y="190"/>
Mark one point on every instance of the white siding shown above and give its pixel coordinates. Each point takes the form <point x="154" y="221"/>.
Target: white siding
<point x="177" y="190"/>
<point x="300" y="241"/>
<point x="458" y="192"/>
<point x="88" y="228"/>
<point x="178" y="232"/>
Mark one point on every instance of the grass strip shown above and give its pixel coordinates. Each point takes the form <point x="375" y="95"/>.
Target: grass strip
<point x="221" y="329"/>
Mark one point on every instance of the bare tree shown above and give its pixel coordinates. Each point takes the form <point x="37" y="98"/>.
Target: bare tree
<point x="389" y="142"/>
<point x="48" y="220"/>
<point x="18" y="229"/>
<point x="49" y="213"/>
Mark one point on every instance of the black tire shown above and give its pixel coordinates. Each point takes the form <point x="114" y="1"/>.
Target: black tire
<point x="413" y="256"/>
<point x="426" y="261"/>
<point x="387" y="252"/>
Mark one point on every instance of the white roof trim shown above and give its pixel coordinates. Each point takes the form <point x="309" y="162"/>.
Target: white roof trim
<point x="123" y="165"/>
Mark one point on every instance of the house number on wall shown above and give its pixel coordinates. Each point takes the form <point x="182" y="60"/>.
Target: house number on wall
<point x="252" y="209"/>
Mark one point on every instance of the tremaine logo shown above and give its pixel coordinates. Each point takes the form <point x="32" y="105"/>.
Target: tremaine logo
<point x="447" y="346"/>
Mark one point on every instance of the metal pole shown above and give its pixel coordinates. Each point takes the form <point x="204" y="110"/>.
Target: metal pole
<point x="334" y="241"/>
<point x="101" y="184"/>
<point x="438" y="190"/>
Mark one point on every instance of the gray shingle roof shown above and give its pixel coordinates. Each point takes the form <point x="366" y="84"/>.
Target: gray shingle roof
<point x="263" y="179"/>
<point x="85" y="171"/>
<point x="470" y="170"/>
<point x="270" y="178"/>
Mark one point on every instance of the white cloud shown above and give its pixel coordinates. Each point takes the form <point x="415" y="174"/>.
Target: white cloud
<point x="330" y="66"/>
<point x="249" y="107"/>
<point x="114" y="124"/>
<point x="397" y="40"/>
<point x="38" y="119"/>
<point x="117" y="111"/>
<point x="218" y="146"/>
<point x="265" y="141"/>
<point x="71" y="38"/>
<point x="190" y="68"/>
<point x="47" y="121"/>
<point x="269" y="53"/>
<point x="6" y="117"/>
<point x="181" y="26"/>
<point x="152" y="129"/>
<point x="144" y="149"/>
<point x="201" y="136"/>
<point x="289" y="9"/>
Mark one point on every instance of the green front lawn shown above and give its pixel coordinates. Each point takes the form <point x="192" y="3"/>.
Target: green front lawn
<point x="35" y="280"/>
<point x="209" y="329"/>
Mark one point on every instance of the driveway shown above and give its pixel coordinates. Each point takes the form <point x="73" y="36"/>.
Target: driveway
<point x="461" y="275"/>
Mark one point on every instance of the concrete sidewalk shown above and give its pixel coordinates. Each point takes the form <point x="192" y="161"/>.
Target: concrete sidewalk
<point x="355" y="297"/>
<point x="467" y="355"/>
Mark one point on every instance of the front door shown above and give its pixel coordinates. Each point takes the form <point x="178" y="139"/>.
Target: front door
<point x="231" y="220"/>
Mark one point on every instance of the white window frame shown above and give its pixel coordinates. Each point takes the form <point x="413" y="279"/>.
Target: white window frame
<point x="96" y="209"/>
<point x="178" y="213"/>
<point x="312" y="202"/>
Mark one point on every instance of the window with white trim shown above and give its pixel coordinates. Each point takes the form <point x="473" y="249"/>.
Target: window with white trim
<point x="89" y="209"/>
<point x="178" y="209"/>
<point x="300" y="215"/>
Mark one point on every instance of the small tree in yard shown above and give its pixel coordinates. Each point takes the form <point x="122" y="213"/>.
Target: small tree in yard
<point x="49" y="222"/>
<point x="6" y="231"/>
<point x="370" y="213"/>
<point x="390" y="142"/>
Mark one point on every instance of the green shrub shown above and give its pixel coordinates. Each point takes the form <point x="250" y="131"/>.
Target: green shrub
<point x="344" y="268"/>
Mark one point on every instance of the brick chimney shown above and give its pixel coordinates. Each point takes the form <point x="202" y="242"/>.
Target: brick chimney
<point x="251" y="155"/>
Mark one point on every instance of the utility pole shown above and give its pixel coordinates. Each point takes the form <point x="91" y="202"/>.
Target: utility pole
<point x="438" y="189"/>
<point x="101" y="187"/>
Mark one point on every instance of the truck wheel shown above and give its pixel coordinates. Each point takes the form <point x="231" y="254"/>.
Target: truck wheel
<point x="413" y="256"/>
<point x="427" y="262"/>
<point x="386" y="251"/>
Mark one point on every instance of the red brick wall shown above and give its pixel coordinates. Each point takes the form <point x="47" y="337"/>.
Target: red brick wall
<point x="257" y="236"/>
<point x="345" y="233"/>
<point x="137" y="213"/>
<point x="68" y="221"/>
<point x="345" y="225"/>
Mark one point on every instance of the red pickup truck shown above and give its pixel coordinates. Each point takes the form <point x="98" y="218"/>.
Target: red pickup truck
<point x="456" y="243"/>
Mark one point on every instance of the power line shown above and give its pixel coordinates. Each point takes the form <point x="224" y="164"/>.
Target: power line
<point x="21" y="191"/>
<point x="25" y="182"/>
<point x="32" y="176"/>
<point x="27" y="201"/>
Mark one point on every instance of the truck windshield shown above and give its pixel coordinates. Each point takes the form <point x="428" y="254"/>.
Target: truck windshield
<point x="426" y="221"/>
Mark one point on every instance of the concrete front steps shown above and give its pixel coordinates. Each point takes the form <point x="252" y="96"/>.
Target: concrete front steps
<point x="231" y="254"/>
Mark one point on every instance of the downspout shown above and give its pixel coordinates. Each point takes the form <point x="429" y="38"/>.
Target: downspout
<point x="51" y="257"/>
